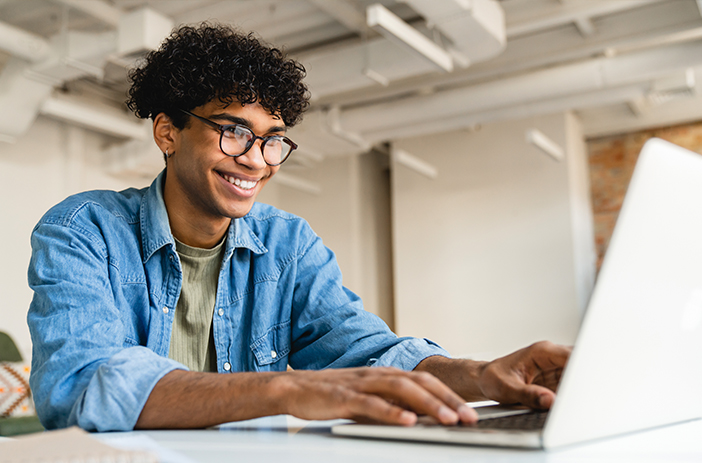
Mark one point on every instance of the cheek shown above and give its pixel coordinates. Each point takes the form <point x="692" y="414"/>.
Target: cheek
<point x="196" y="147"/>
<point x="272" y="171"/>
<point x="195" y="161"/>
<point x="265" y="181"/>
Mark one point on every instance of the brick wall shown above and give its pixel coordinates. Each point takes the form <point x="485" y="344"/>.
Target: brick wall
<point x="612" y="160"/>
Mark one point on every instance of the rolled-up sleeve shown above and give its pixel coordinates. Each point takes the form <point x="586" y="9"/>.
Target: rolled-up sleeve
<point x="330" y="327"/>
<point x="85" y="369"/>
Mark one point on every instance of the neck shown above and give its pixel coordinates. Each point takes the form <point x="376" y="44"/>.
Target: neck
<point x="195" y="233"/>
<point x="190" y="224"/>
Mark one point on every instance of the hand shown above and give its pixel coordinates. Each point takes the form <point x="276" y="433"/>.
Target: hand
<point x="386" y="395"/>
<point x="529" y="376"/>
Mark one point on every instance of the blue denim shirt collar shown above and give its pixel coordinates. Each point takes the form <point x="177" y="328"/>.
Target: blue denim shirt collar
<point x="156" y="230"/>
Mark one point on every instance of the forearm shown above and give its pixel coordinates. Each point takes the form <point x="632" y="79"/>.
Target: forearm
<point x="186" y="399"/>
<point x="461" y="375"/>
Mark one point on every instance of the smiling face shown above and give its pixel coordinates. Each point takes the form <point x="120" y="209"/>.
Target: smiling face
<point x="205" y="188"/>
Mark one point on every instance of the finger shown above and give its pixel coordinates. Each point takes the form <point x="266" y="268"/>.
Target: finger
<point x="364" y="407"/>
<point x="447" y="395"/>
<point x="534" y="396"/>
<point x="547" y="363"/>
<point x="548" y="356"/>
<point x="550" y="379"/>
<point x="403" y="389"/>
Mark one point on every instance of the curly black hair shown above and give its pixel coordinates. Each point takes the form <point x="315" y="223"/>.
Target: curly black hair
<point x="195" y="65"/>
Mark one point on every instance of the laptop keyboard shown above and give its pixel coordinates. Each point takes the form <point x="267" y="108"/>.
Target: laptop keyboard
<point x="532" y="421"/>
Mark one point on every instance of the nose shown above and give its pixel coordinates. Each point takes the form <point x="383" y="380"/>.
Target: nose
<point x="253" y="158"/>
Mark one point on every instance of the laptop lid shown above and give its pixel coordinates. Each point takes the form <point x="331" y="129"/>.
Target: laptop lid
<point x="637" y="361"/>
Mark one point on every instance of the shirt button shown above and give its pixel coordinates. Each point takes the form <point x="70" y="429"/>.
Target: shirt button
<point x="274" y="354"/>
<point x="227" y="367"/>
<point x="220" y="312"/>
<point x="165" y="310"/>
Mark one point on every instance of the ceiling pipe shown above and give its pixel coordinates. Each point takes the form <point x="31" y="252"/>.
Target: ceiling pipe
<point x="97" y="9"/>
<point x="569" y="13"/>
<point x="537" y="108"/>
<point x="475" y="33"/>
<point x="102" y="119"/>
<point x="332" y="117"/>
<point x="545" y="84"/>
<point x="38" y="65"/>
<point x="575" y="78"/>
<point x="342" y="62"/>
<point x="688" y="35"/>
<point x="344" y="67"/>
<point x="23" y="44"/>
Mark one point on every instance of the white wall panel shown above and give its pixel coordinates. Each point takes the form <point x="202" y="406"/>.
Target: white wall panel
<point x="484" y="255"/>
<point x="49" y="163"/>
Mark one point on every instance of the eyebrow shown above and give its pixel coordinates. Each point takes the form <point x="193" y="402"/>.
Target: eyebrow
<point x="247" y="123"/>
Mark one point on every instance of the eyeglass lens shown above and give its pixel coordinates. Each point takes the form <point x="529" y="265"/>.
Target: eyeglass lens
<point x="237" y="139"/>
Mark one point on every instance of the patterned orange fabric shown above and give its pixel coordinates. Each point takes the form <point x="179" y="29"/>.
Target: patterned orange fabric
<point x="15" y="395"/>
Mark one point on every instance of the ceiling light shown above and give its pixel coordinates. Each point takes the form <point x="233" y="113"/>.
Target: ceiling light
<point x="545" y="144"/>
<point x="418" y="165"/>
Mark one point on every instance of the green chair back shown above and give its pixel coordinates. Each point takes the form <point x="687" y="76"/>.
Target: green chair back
<point x="8" y="349"/>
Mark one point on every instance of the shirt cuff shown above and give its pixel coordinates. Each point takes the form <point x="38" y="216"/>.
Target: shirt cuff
<point x="408" y="353"/>
<point x="119" y="389"/>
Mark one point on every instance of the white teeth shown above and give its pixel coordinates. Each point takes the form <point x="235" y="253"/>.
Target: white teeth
<point x="243" y="184"/>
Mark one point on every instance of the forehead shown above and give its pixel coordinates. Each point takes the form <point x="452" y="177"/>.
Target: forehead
<point x="253" y="114"/>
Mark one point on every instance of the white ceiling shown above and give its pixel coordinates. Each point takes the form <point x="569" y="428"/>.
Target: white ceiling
<point x="620" y="64"/>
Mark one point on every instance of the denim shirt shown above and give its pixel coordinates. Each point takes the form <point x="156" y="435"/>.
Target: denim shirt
<point x="106" y="279"/>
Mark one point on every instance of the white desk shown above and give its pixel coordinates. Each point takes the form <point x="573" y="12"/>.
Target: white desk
<point x="288" y="440"/>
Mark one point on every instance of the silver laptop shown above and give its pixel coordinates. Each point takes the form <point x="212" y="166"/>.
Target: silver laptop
<point x="637" y="361"/>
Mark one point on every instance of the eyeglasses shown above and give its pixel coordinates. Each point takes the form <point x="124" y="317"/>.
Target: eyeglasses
<point x="236" y="139"/>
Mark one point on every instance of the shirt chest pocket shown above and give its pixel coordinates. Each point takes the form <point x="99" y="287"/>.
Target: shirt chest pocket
<point x="271" y="350"/>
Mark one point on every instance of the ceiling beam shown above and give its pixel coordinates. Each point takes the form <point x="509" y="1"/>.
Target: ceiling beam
<point x="639" y="68"/>
<point x="23" y="44"/>
<point x="536" y="20"/>
<point x="270" y="19"/>
<point x="97" y="9"/>
<point x="96" y="117"/>
<point x="656" y="25"/>
<point x="344" y="12"/>
<point x="399" y="32"/>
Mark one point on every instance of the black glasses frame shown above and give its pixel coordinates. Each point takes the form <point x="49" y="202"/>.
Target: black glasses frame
<point x="250" y="143"/>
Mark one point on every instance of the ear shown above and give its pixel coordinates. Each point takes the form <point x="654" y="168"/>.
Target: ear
<point x="165" y="133"/>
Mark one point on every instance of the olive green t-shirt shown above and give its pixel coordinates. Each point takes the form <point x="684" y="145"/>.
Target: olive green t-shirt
<point x="192" y="341"/>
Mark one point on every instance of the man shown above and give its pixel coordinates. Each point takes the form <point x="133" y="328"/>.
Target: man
<point x="182" y="304"/>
